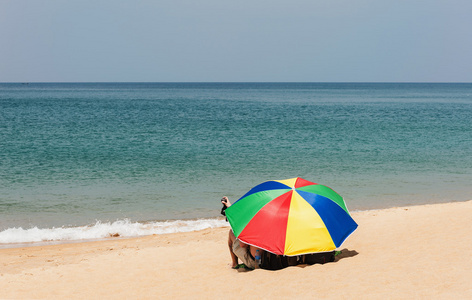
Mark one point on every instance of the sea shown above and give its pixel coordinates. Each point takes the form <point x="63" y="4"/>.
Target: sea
<point x="84" y="161"/>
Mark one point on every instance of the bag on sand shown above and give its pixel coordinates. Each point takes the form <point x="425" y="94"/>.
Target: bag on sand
<point x="317" y="258"/>
<point x="271" y="261"/>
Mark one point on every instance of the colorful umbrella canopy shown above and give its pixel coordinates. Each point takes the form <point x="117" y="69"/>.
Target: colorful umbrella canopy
<point x="291" y="217"/>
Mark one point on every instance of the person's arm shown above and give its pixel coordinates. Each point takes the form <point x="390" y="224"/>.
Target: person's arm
<point x="225" y="201"/>
<point x="252" y="249"/>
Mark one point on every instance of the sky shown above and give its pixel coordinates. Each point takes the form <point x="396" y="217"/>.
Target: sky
<point x="235" y="41"/>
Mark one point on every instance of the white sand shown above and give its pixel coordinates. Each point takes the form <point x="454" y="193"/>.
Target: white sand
<point x="420" y="252"/>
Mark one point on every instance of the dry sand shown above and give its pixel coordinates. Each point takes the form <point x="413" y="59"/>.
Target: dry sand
<point x="420" y="252"/>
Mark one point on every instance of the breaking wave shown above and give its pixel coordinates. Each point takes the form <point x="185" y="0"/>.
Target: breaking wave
<point x="99" y="230"/>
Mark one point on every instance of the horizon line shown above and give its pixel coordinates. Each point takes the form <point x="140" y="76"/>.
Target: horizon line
<point x="359" y="82"/>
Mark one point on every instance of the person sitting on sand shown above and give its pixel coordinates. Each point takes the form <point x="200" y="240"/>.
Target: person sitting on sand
<point x="239" y="250"/>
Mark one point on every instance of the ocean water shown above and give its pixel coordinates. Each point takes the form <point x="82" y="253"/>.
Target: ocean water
<point x="89" y="160"/>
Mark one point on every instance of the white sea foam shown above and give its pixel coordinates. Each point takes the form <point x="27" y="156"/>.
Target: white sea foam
<point x="122" y="228"/>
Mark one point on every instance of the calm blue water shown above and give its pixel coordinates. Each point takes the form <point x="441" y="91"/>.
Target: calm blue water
<point x="74" y="154"/>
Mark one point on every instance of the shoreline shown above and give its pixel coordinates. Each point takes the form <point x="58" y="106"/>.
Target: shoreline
<point x="119" y="229"/>
<point x="113" y="234"/>
<point x="414" y="251"/>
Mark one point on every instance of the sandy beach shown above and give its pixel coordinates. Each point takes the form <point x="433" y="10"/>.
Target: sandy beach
<point x="419" y="252"/>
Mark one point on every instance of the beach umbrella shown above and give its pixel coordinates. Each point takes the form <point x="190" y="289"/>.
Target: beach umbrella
<point x="291" y="217"/>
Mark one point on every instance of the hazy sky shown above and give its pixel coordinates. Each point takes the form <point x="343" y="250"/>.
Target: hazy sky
<point x="238" y="40"/>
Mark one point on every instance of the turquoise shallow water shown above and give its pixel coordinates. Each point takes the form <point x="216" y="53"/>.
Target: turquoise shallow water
<point x="77" y="153"/>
